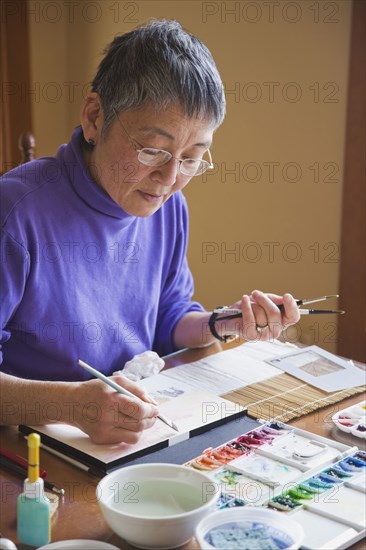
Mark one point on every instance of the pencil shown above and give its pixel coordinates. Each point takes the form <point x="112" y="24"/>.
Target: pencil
<point x="121" y="390"/>
<point x="64" y="457"/>
<point x="17" y="459"/>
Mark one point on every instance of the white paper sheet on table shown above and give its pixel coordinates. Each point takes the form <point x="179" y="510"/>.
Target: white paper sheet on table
<point x="220" y="373"/>
<point x="320" y="368"/>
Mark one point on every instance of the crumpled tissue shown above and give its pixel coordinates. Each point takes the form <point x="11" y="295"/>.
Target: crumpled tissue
<point x="141" y="366"/>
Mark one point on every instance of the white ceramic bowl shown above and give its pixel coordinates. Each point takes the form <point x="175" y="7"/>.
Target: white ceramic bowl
<point x="283" y="529"/>
<point x="156" y="505"/>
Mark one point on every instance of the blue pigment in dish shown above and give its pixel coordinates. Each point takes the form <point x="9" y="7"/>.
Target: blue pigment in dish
<point x="351" y="464"/>
<point x="361" y="455"/>
<point x="233" y="536"/>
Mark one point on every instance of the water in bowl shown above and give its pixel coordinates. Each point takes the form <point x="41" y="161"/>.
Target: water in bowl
<point x="157" y="498"/>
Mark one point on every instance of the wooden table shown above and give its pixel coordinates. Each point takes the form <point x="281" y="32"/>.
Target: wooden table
<point x="78" y="515"/>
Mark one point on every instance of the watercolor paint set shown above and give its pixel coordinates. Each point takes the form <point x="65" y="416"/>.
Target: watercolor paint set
<point x="318" y="482"/>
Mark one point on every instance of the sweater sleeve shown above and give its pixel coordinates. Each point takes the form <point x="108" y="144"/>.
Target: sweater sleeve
<point x="177" y="291"/>
<point x="14" y="264"/>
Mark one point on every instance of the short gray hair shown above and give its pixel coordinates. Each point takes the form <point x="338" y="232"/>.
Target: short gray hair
<point x="162" y="64"/>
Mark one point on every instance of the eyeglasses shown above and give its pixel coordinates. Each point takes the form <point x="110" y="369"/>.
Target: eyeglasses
<point x="158" y="157"/>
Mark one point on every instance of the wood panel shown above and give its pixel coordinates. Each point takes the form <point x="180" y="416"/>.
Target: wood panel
<point x="16" y="86"/>
<point x="352" y="326"/>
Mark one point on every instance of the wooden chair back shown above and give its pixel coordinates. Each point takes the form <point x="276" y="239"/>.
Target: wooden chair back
<point x="27" y="145"/>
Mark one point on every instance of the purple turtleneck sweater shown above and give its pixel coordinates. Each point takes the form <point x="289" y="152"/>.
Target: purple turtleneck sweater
<point x="82" y="279"/>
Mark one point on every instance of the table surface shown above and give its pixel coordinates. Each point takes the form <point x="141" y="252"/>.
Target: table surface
<point x="78" y="515"/>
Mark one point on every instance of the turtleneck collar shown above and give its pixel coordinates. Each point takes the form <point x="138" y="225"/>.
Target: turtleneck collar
<point x="81" y="180"/>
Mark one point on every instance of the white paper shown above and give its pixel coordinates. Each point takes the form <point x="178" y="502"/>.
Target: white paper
<point x="162" y="388"/>
<point x="321" y="369"/>
<point x="188" y="412"/>
<point x="222" y="372"/>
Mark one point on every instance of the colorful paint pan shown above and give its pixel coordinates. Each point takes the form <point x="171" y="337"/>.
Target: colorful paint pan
<point x="351" y="464"/>
<point x="284" y="503"/>
<point x="299" y="493"/>
<point x="251" y="440"/>
<point x="319" y="483"/>
<point x="229" y="501"/>
<point x="360" y="455"/>
<point x="305" y="485"/>
<point x="237" y="445"/>
<point x="337" y="473"/>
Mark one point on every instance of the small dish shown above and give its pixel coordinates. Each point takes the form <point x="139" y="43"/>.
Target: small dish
<point x="359" y="430"/>
<point x="232" y="528"/>
<point x="79" y="544"/>
<point x="352" y="420"/>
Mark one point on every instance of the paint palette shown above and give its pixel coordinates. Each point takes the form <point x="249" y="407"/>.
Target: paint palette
<point x="352" y="420"/>
<point x="270" y="471"/>
<point x="319" y="482"/>
<point x="245" y="490"/>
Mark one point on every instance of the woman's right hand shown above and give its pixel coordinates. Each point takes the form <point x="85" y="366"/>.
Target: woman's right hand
<point x="110" y="417"/>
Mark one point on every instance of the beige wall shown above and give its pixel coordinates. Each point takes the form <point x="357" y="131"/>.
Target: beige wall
<point x="269" y="215"/>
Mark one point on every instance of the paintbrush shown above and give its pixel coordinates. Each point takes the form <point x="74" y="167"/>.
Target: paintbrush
<point x="235" y="313"/>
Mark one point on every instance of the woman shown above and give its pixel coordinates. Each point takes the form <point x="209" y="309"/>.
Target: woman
<point x="94" y="241"/>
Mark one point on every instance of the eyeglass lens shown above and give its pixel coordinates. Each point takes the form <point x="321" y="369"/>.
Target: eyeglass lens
<point x="158" y="157"/>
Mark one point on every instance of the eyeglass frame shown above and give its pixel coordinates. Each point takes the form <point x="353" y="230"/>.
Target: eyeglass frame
<point x="209" y="164"/>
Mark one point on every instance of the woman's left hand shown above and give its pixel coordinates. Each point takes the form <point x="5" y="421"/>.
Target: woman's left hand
<point x="262" y="319"/>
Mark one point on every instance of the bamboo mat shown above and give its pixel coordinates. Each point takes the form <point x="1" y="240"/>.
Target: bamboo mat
<point x="284" y="397"/>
